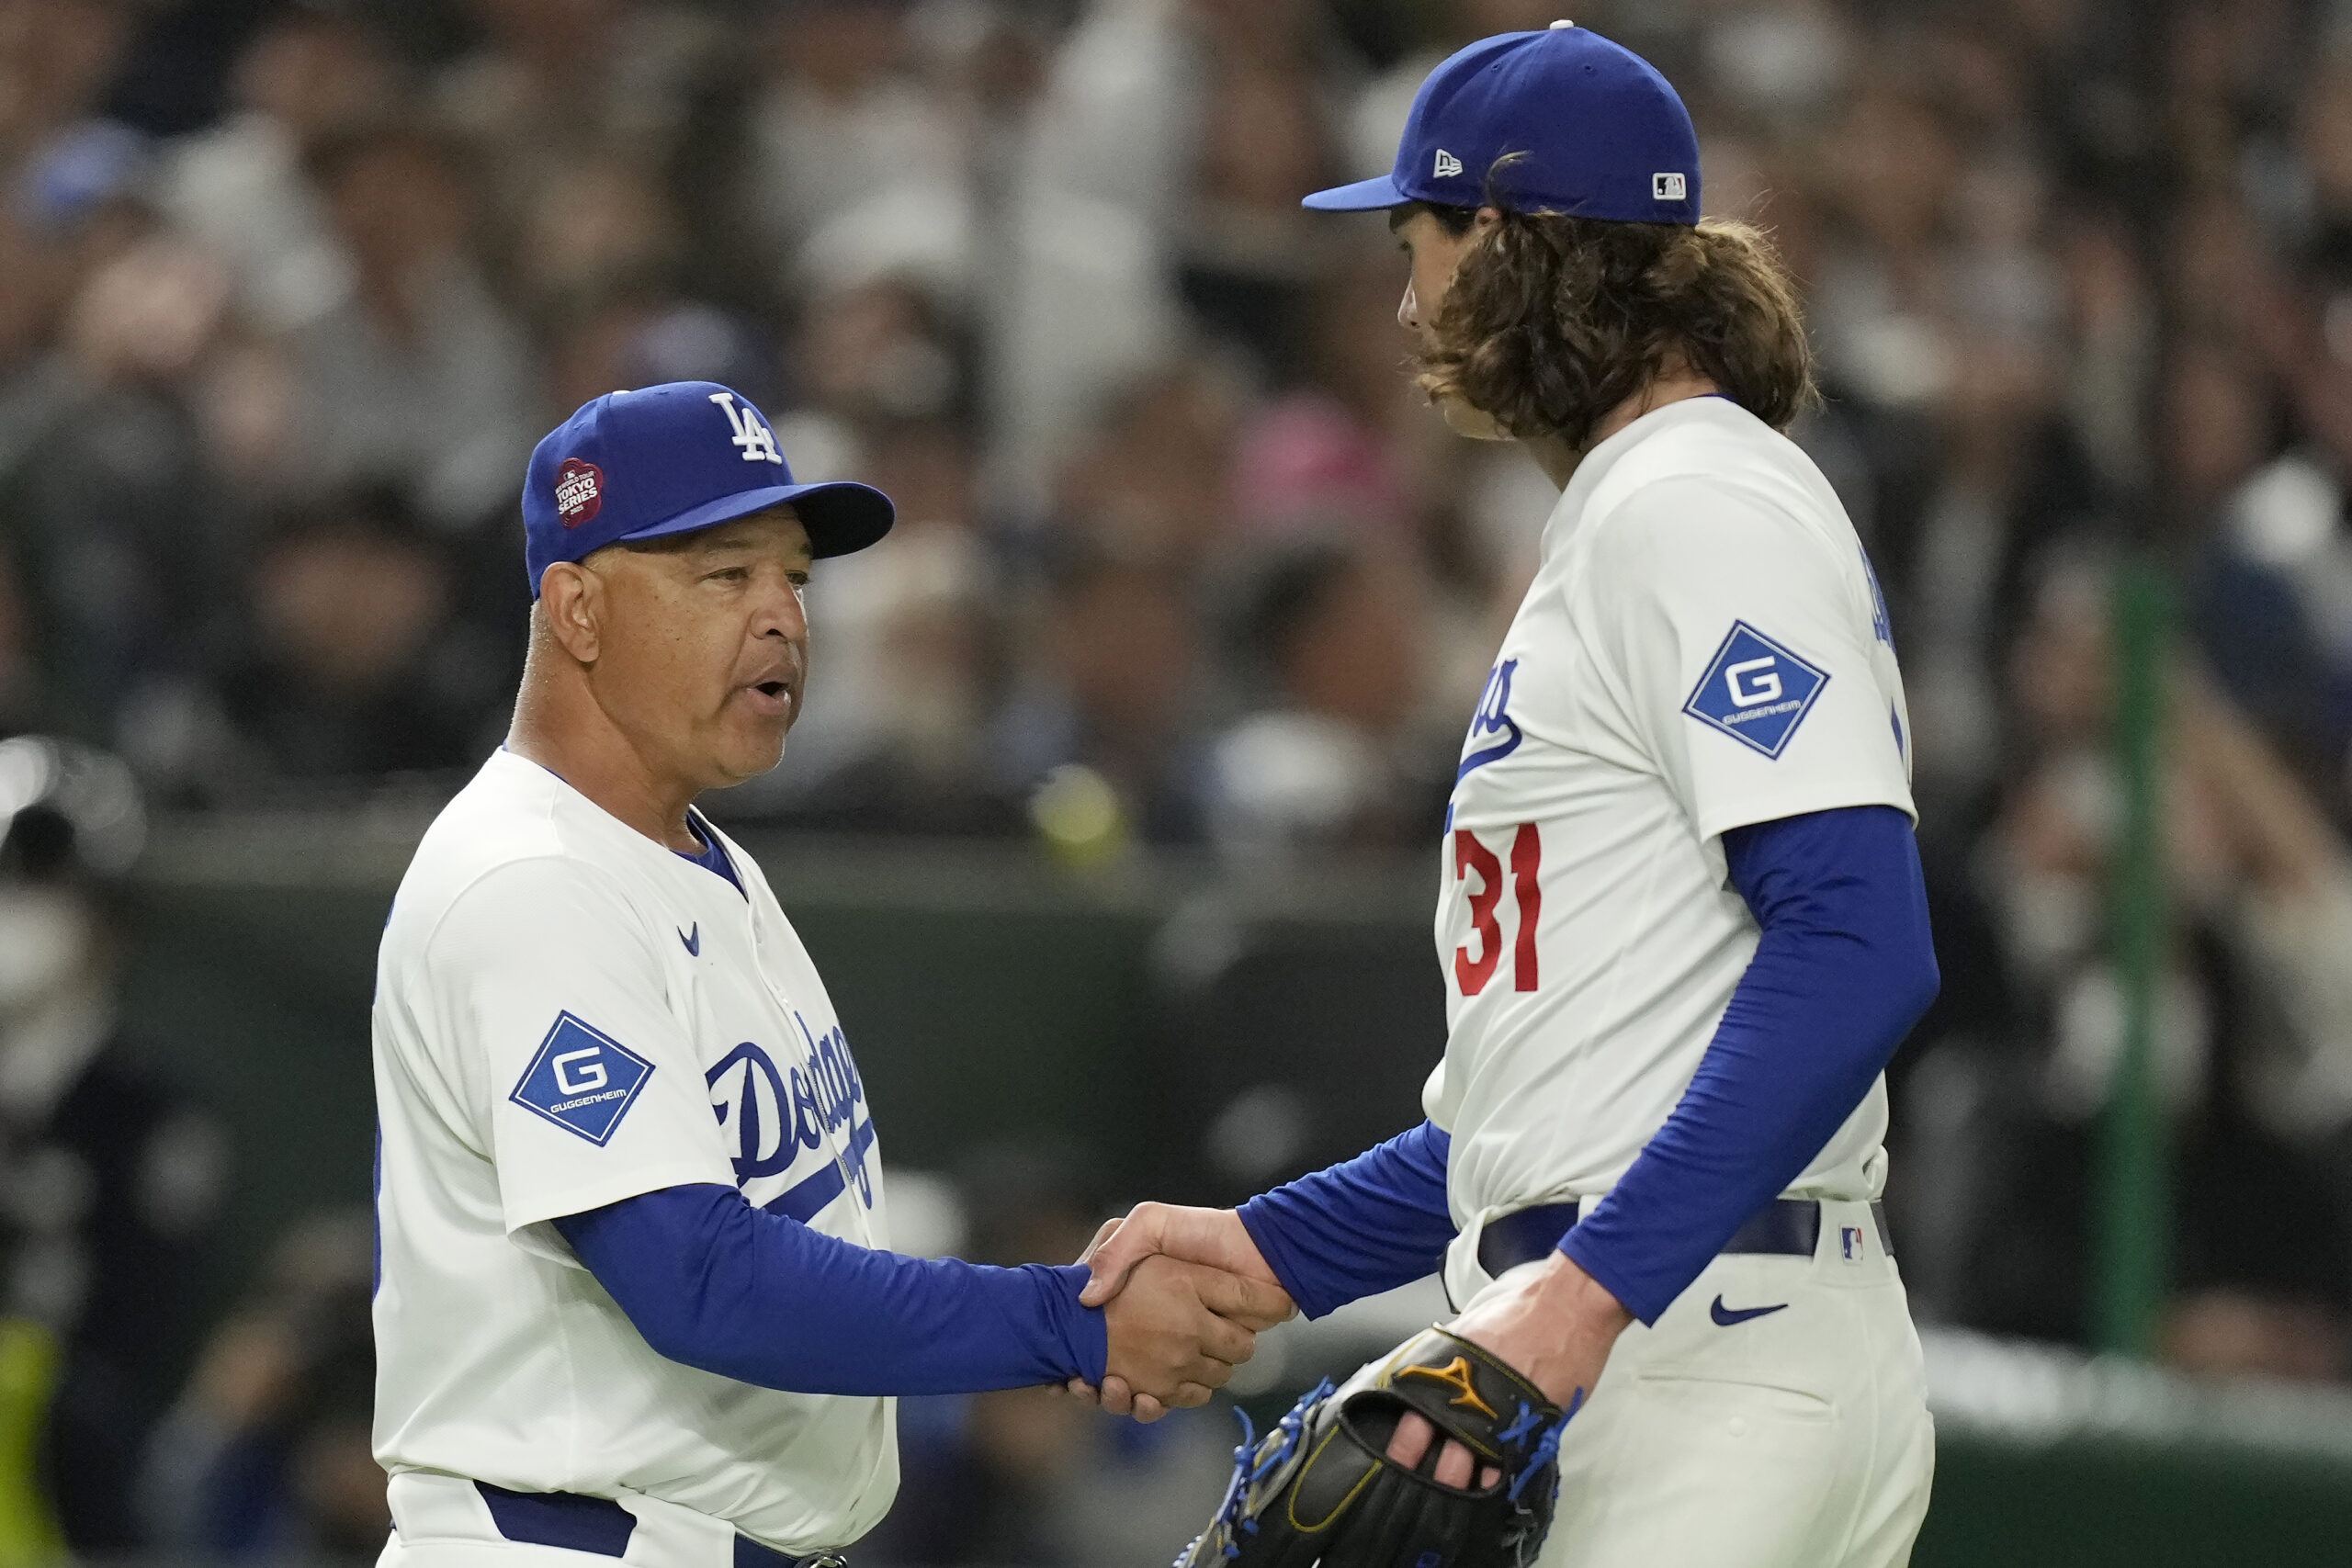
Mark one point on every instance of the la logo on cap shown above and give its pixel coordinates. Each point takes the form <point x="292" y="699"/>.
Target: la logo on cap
<point x="757" y="440"/>
<point x="579" y="492"/>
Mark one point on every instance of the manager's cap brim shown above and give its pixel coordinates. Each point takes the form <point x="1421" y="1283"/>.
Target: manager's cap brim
<point x="841" y="516"/>
<point x="1364" y="195"/>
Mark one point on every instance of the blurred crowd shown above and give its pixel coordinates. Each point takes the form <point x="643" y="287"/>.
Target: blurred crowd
<point x="288" y="291"/>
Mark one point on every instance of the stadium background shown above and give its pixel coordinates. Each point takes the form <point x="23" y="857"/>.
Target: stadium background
<point x="1111" y="822"/>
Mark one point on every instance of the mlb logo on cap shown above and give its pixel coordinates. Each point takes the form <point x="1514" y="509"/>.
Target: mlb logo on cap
<point x="672" y="459"/>
<point x="1558" y="121"/>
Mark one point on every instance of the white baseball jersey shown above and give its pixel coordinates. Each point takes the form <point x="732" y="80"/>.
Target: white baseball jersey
<point x="1702" y="647"/>
<point x="568" y="1013"/>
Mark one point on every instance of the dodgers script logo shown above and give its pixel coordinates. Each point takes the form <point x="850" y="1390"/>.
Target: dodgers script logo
<point x="1882" y="625"/>
<point x="1492" y="718"/>
<point x="771" y="1115"/>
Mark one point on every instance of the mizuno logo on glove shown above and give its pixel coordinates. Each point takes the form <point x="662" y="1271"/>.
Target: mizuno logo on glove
<point x="1454" y="1374"/>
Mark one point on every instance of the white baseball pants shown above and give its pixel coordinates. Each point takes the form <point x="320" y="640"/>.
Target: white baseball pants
<point x="1725" y="1436"/>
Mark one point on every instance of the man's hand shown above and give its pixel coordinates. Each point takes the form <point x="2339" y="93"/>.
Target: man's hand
<point x="1177" y="1331"/>
<point x="1554" y="1324"/>
<point x="1215" y="1237"/>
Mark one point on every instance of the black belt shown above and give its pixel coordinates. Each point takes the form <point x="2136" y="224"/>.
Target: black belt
<point x="1790" y="1226"/>
<point x="602" y="1526"/>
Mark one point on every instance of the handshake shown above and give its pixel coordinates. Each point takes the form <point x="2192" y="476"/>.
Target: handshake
<point x="1185" y="1293"/>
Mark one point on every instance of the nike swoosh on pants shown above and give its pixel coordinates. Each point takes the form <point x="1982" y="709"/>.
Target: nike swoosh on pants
<point x="1726" y="1316"/>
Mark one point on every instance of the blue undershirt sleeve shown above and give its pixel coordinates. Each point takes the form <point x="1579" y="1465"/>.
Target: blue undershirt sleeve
<point x="714" y="1284"/>
<point x="1364" y="1225"/>
<point x="1844" y="968"/>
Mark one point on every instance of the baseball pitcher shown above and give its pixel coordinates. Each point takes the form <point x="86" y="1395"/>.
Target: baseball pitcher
<point x="1680" y="921"/>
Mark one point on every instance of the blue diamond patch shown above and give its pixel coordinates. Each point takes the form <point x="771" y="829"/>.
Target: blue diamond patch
<point x="1755" y="691"/>
<point x="581" y="1080"/>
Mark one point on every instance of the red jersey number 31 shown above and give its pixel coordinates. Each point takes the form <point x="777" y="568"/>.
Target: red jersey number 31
<point x="1471" y="857"/>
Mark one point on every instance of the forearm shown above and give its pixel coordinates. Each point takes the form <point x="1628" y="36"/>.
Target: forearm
<point x="713" y="1282"/>
<point x="1354" y="1229"/>
<point x="1844" y="968"/>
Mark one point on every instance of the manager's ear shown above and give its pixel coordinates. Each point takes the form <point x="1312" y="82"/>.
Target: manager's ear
<point x="572" y="602"/>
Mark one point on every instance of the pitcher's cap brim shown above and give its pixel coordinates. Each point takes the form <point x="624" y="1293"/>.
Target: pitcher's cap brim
<point x="1364" y="195"/>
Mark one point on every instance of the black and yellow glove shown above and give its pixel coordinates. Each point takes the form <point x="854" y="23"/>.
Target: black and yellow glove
<point x="1321" y="1488"/>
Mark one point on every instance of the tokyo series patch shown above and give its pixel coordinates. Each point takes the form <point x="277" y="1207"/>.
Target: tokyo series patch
<point x="581" y="1080"/>
<point x="579" y="492"/>
<point x="1755" y="691"/>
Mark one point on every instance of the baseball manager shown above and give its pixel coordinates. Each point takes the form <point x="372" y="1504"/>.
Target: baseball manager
<point x="634" y="1295"/>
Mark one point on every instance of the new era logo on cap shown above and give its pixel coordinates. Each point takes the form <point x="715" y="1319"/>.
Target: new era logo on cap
<point x="1446" y="165"/>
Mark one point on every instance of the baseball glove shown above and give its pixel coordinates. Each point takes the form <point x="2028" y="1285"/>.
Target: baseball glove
<point x="1321" y="1489"/>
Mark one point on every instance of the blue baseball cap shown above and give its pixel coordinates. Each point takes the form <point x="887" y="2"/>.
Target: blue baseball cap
<point x="1599" y="131"/>
<point x="670" y="459"/>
